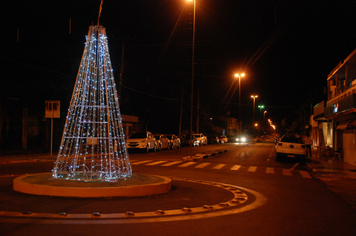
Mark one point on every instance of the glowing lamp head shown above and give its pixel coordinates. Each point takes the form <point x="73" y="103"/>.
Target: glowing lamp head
<point x="239" y="75"/>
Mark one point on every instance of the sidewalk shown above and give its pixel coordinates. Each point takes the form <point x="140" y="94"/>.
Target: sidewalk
<point x="323" y="165"/>
<point x="338" y="176"/>
<point x="27" y="157"/>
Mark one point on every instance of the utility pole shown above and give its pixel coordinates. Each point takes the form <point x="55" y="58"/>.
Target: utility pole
<point x="198" y="101"/>
<point x="181" y="114"/>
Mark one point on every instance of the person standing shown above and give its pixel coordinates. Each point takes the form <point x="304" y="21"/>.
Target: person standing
<point x="308" y="143"/>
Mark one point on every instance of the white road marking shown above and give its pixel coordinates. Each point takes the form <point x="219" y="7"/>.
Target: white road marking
<point x="217" y="167"/>
<point x="235" y="167"/>
<point x="141" y="162"/>
<point x="172" y="163"/>
<point x="187" y="164"/>
<point x="296" y="164"/>
<point x="252" y="169"/>
<point x="287" y="172"/>
<point x="202" y="165"/>
<point x="155" y="163"/>
<point x="305" y="174"/>
<point x="269" y="170"/>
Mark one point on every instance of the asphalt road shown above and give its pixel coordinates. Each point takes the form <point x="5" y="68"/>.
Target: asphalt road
<point x="277" y="199"/>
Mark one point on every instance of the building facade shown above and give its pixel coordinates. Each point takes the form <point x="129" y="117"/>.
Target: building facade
<point x="336" y="124"/>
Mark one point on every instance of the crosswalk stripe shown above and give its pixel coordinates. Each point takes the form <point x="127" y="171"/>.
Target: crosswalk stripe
<point x="287" y="172"/>
<point x="219" y="166"/>
<point x="202" y="165"/>
<point x="155" y="163"/>
<point x="235" y="167"/>
<point x="305" y="174"/>
<point x="187" y="164"/>
<point x="141" y="162"/>
<point x="269" y="170"/>
<point x="172" y="163"/>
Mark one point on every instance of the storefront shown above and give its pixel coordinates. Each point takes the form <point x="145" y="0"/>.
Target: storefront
<point x="342" y="114"/>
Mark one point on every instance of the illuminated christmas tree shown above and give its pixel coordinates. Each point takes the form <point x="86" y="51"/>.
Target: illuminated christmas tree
<point x="93" y="143"/>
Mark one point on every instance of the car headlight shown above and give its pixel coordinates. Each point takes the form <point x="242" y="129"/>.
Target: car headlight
<point x="143" y="141"/>
<point x="237" y="139"/>
<point x="243" y="139"/>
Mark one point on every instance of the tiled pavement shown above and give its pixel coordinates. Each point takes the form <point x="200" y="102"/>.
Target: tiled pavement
<point x="338" y="176"/>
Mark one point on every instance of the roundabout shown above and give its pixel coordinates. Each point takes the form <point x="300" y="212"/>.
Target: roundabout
<point x="235" y="199"/>
<point x="136" y="186"/>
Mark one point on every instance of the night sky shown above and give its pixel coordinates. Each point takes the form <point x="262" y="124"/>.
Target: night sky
<point x="285" y="48"/>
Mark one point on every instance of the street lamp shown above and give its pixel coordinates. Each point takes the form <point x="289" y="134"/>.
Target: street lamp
<point x="239" y="76"/>
<point x="192" y="85"/>
<point x="261" y="107"/>
<point x="254" y="107"/>
<point x="264" y="122"/>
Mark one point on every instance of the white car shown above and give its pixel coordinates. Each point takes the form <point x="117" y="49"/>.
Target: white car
<point x="162" y="142"/>
<point x="199" y="140"/>
<point x="175" y="141"/>
<point x="223" y="139"/>
<point x="144" y="141"/>
<point x="291" y="147"/>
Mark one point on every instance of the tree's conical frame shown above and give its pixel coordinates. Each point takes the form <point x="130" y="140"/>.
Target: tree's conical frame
<point x="93" y="143"/>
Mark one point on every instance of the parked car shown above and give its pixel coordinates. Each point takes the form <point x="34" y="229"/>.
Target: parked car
<point x="213" y="139"/>
<point x="199" y="139"/>
<point x="174" y="140"/>
<point x="291" y="147"/>
<point x="223" y="139"/>
<point x="162" y="142"/>
<point x="184" y="140"/>
<point x="144" y="141"/>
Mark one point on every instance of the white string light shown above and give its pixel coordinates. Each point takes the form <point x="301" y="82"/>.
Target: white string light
<point x="93" y="143"/>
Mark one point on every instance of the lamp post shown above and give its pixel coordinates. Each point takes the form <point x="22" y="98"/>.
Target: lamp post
<point x="261" y="107"/>
<point x="239" y="76"/>
<point x="264" y="121"/>
<point x="192" y="85"/>
<point x="254" y="107"/>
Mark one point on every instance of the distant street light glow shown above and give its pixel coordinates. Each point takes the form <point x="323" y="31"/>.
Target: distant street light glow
<point x="239" y="76"/>
<point x="254" y="106"/>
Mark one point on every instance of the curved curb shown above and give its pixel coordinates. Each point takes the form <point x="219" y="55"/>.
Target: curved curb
<point x="235" y="205"/>
<point x="21" y="184"/>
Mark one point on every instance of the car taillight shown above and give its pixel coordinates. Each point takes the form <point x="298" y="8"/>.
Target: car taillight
<point x="279" y="144"/>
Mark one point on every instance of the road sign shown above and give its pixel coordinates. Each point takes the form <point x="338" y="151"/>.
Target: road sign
<point x="53" y="108"/>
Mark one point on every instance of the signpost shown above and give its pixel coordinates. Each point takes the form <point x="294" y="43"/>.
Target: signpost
<point x="52" y="110"/>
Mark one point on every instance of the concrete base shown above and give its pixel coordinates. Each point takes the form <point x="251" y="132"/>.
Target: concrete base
<point x="136" y="186"/>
